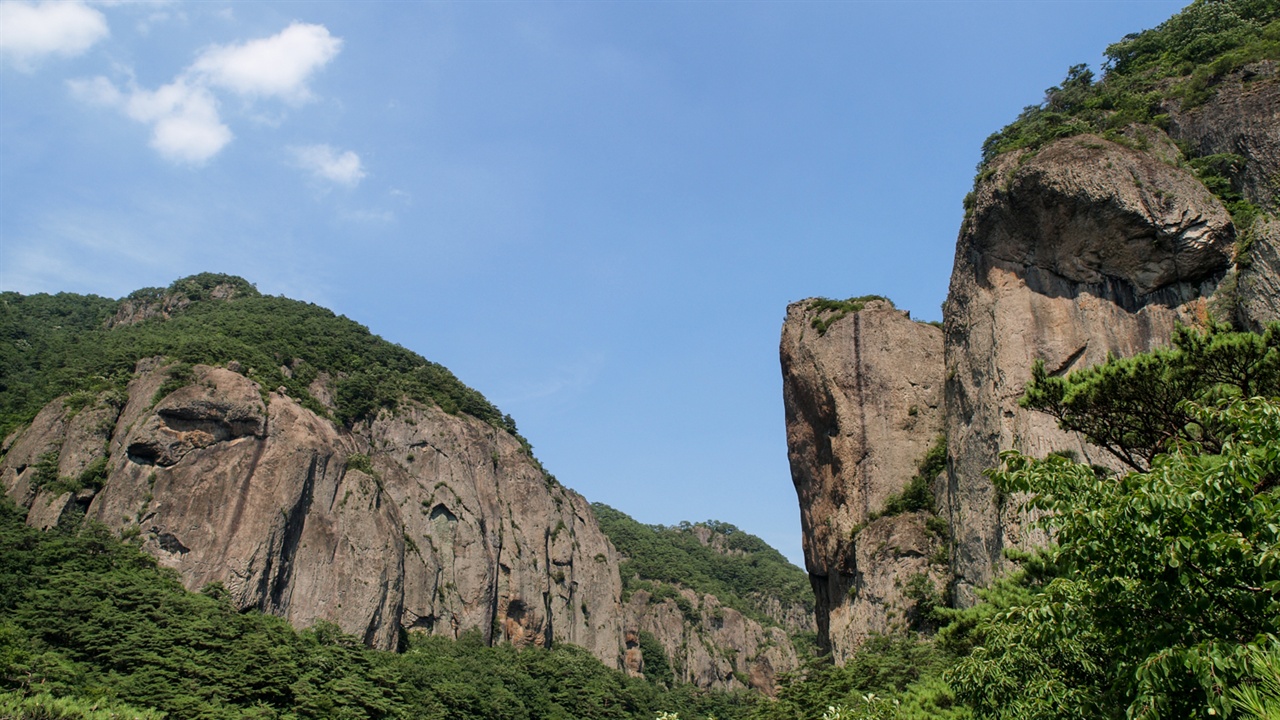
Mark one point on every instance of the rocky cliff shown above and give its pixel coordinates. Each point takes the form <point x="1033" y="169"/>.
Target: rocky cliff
<point x="705" y="643"/>
<point x="707" y="604"/>
<point x="1092" y="247"/>
<point x="862" y="387"/>
<point x="1070" y="251"/>
<point x="1086" y="249"/>
<point x="414" y="519"/>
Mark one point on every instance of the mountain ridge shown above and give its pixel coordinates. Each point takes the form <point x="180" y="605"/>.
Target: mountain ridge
<point x="318" y="472"/>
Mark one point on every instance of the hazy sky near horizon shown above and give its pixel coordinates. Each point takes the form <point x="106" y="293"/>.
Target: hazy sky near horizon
<point x="595" y="213"/>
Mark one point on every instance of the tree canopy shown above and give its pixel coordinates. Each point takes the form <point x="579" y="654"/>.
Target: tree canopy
<point x="52" y="345"/>
<point x="1135" y="407"/>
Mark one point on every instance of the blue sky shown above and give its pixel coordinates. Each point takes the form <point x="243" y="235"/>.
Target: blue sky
<point x="595" y="213"/>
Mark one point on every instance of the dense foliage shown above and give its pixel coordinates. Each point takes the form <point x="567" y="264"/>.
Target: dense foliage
<point x="744" y="573"/>
<point x="1167" y="587"/>
<point x="1135" y="407"/>
<point x="891" y="677"/>
<point x="89" y="626"/>
<point x="52" y="345"/>
<point x="1187" y="544"/>
<point x="1181" y="59"/>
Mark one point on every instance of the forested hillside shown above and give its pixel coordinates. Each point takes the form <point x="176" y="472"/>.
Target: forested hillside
<point x="61" y="344"/>
<point x="90" y="619"/>
<point x="711" y="557"/>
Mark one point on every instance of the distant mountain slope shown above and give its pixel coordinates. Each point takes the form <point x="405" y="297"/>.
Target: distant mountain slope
<point x="711" y="557"/>
<point x="708" y="604"/>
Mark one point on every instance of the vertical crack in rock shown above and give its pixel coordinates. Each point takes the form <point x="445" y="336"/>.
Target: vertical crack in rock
<point x="877" y="376"/>
<point x="294" y="521"/>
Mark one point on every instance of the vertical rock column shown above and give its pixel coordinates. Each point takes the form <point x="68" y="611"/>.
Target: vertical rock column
<point x="863" y="396"/>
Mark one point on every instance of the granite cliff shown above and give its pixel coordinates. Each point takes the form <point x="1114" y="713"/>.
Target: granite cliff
<point x="414" y="519"/>
<point x="318" y="473"/>
<point x="1071" y="249"/>
<point x="862" y="385"/>
<point x="1092" y="247"/>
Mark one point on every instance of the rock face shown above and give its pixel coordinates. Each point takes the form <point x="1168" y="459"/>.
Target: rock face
<point x="864" y="403"/>
<point x="1243" y="119"/>
<point x="707" y="644"/>
<point x="418" y="520"/>
<point x="1090" y="248"/>
<point x="1084" y="248"/>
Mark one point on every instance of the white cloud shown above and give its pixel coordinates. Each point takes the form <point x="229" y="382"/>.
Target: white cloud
<point x="185" y="126"/>
<point x="96" y="91"/>
<point x="183" y="115"/>
<point x="184" y="120"/>
<point x="325" y="163"/>
<point x="30" y="31"/>
<point x="279" y="65"/>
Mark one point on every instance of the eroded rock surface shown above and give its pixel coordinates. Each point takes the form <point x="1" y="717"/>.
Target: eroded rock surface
<point x="1243" y="119"/>
<point x="706" y="643"/>
<point x="864" y="403"/>
<point x="1082" y="249"/>
<point x="1088" y="248"/>
<point x="419" y="519"/>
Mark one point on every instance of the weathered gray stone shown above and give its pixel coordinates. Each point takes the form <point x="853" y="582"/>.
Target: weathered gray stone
<point x="418" y="519"/>
<point x="716" y="647"/>
<point x="864" y="404"/>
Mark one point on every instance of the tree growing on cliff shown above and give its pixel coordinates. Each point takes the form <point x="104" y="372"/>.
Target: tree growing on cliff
<point x="1135" y="407"/>
<point x="1167" y="596"/>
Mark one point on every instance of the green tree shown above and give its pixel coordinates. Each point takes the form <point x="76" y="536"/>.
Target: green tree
<point x="1135" y="407"/>
<point x="1168" y="585"/>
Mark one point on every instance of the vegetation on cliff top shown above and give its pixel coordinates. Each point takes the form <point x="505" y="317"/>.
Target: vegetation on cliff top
<point x="740" y="569"/>
<point x="53" y="345"/>
<point x="1182" y="59"/>
<point x="828" y="312"/>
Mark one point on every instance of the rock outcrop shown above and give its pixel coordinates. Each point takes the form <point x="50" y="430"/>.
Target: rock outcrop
<point x="1089" y="248"/>
<point x="1242" y="119"/>
<point x="864" y="403"/>
<point x="1085" y="248"/>
<point x="417" y="520"/>
<point x="705" y="643"/>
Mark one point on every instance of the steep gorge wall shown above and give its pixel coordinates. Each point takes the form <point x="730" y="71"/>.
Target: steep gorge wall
<point x="418" y="519"/>
<point x="1084" y="248"/>
<point x="864" y="404"/>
